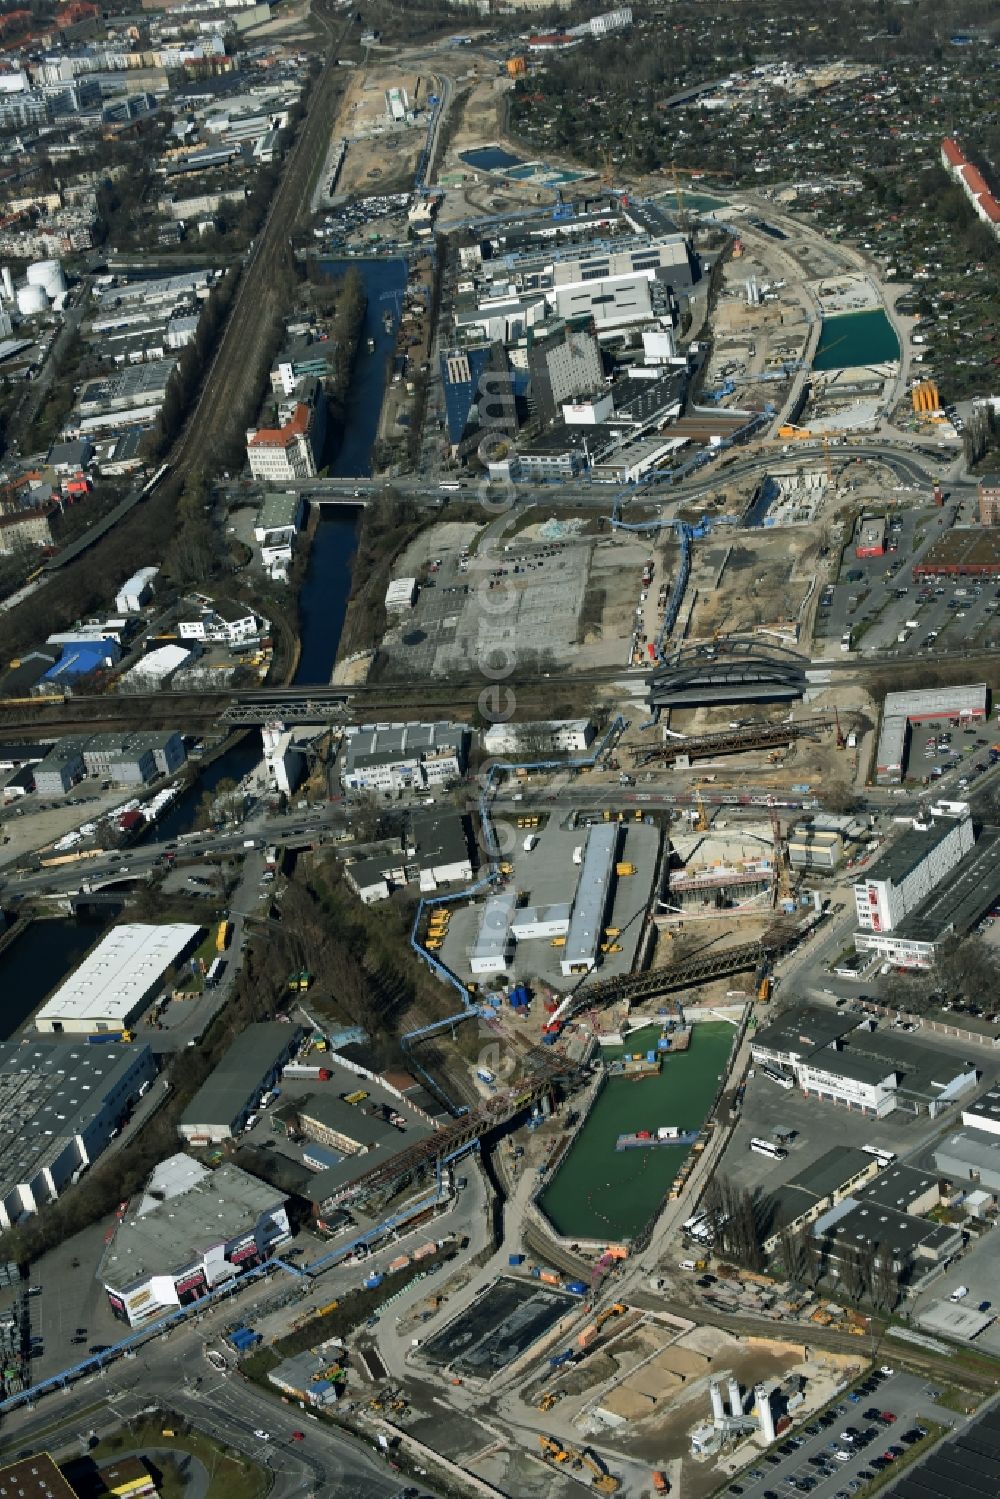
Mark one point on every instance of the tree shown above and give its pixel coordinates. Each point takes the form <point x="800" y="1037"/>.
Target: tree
<point x="851" y="1271"/>
<point x="885" y="1279"/>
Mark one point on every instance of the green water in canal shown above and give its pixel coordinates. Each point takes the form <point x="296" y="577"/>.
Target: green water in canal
<point x="856" y="338"/>
<point x="599" y="1192"/>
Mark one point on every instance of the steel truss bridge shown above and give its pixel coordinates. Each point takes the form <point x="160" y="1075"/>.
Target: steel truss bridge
<point x="733" y="742"/>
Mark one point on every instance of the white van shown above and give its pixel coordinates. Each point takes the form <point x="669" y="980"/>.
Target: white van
<point x="959" y="1293"/>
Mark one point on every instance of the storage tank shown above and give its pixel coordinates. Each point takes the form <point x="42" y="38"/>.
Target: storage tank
<point x="31" y="299"/>
<point x="49" y="274"/>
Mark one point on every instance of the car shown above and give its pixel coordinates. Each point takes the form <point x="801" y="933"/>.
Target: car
<point x="756" y="1474"/>
<point x="879" y="1464"/>
<point x="261" y="1434"/>
<point x="984" y="1306"/>
<point x="98" y="1347"/>
<point x="770" y="1494"/>
<point x="734" y="1488"/>
<point x="888" y="1417"/>
<point x="812" y="1429"/>
<point x="772" y="1459"/>
<point x="854" y="1397"/>
<point x="872" y="1413"/>
<point x="896" y="1450"/>
<point x="298" y="1436"/>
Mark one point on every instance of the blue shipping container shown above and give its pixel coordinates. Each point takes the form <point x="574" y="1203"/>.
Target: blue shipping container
<point x="515" y="1259"/>
<point x="577" y="1287"/>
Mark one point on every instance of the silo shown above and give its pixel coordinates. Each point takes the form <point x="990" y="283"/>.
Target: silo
<point x="31" y="300"/>
<point x="50" y="275"/>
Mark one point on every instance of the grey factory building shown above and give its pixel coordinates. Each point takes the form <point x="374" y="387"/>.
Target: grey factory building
<point x="812" y="1191"/>
<point x="915" y="1245"/>
<point x="61" y="1103"/>
<point x="970" y="1157"/>
<point x="224" y="1102"/>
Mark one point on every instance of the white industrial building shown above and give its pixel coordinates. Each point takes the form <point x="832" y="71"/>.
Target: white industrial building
<point x="583" y="936"/>
<point x="963" y="704"/>
<point x="542" y="736"/>
<point x="116" y="980"/>
<point x="984" y="1112"/>
<point x="153" y="669"/>
<point x="912" y="867"/>
<point x="194" y="1230"/>
<point x="404" y="757"/>
<point x="136" y="591"/>
<point x="61" y="1104"/>
<point x="494" y="944"/>
<point x="284" y="760"/>
<point x="401" y="595"/>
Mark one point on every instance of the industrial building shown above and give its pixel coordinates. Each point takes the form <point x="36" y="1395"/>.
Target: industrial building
<point x="116" y="980"/>
<point x="36" y="1476"/>
<point x="61" y="1104"/>
<point x="869" y="540"/>
<point x="542" y="737"/>
<point x="564" y="363"/>
<point x="913" y="1245"/>
<point x="433" y="852"/>
<point x="328" y="1120"/>
<point x="133" y="759"/>
<point x="193" y="1231"/>
<point x="966" y="705"/>
<point x="136" y="591"/>
<point x="961" y="554"/>
<point x="984" y="1112"/>
<point x="61" y="768"/>
<point x="814" y="848"/>
<point x="220" y="1108"/>
<point x="912" y="867"/>
<point x="970" y="1156"/>
<point x="838" y="1058"/>
<point x="494" y="942"/>
<point x="309" y="1377"/>
<point x="401" y="595"/>
<point x="953" y="907"/>
<point x="279" y="518"/>
<point x="812" y="1191"/>
<point x="404" y="757"/>
<point x="590" y="903"/>
<point x="220" y="621"/>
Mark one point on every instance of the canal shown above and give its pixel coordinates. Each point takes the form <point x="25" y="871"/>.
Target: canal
<point x="856" y="338"/>
<point x="233" y="764"/>
<point x="327" y="584"/>
<point x="39" y="959"/>
<point x="601" y="1193"/>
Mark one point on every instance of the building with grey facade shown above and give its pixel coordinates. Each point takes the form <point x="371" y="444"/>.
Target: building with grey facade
<point x="61" y="1104"/>
<point x="220" y="1108"/>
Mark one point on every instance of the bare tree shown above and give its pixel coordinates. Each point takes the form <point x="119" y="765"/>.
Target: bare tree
<point x="851" y="1272"/>
<point x="885" y="1279"/>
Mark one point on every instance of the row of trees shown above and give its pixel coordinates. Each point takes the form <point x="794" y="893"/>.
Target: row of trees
<point x="738" y="1221"/>
<point x="192" y="362"/>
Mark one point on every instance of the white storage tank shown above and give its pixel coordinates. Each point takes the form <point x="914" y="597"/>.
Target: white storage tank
<point x="50" y="275"/>
<point x="31" y="299"/>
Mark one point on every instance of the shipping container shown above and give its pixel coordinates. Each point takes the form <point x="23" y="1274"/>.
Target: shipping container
<point x="399" y="1263"/>
<point x="515" y="1259"/>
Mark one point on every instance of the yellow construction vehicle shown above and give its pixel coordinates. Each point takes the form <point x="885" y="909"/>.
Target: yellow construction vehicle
<point x="624" y="871"/>
<point x="612" y="931"/>
<point x="701" y="821"/>
<point x="611" y="947"/>
<point x="553" y="1451"/>
<point x="603" y="1482"/>
<point x="558" y="942"/>
<point x="548" y="1400"/>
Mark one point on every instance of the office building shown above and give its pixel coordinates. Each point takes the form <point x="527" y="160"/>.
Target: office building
<point x="194" y="1231"/>
<point x="564" y="364"/>
<point x="912" y="867"/>
<point x="116" y="980"/>
<point x="278" y="454"/>
<point x="478" y="389"/>
<point x="220" y="1108"/>
<point x="404" y="757"/>
<point x="952" y="908"/>
<point x="61" y="1104"/>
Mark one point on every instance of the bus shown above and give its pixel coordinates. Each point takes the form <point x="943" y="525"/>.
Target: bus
<point x="780" y="1078"/>
<point x="765" y="1147"/>
<point x="884" y="1157"/>
<point x="215" y="973"/>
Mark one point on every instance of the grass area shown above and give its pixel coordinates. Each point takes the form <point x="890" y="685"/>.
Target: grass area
<point x="231" y="1476"/>
<point x="955" y="1398"/>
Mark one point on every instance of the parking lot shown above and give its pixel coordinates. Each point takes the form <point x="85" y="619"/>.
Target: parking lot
<point x="880" y="604"/>
<point x="808" y="1462"/>
<point x="819" y="1125"/>
<point x="979" y="1272"/>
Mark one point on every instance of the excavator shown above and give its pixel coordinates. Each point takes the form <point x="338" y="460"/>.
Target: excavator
<point x="601" y="1480"/>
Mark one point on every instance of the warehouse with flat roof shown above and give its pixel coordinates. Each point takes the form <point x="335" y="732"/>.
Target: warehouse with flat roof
<point x="189" y="1236"/>
<point x="961" y="554"/>
<point x="900" y="709"/>
<point x="61" y="1103"/>
<point x="583" y="936"/>
<point x="220" y="1108"/>
<point x="116" y="980"/>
